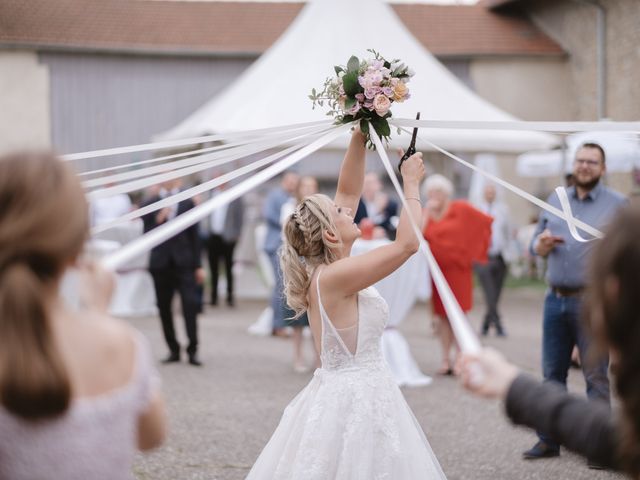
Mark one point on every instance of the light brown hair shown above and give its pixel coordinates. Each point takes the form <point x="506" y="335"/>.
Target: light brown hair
<point x="43" y="226"/>
<point x="613" y="309"/>
<point x="305" y="247"/>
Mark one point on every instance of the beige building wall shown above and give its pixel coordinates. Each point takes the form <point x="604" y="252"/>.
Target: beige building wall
<point x="530" y="88"/>
<point x="24" y="101"/>
<point x="574" y="26"/>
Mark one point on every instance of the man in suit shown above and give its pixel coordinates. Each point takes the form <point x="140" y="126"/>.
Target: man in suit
<point x="272" y="215"/>
<point x="175" y="265"/>
<point x="224" y="232"/>
<point x="376" y="205"/>
<point x="493" y="273"/>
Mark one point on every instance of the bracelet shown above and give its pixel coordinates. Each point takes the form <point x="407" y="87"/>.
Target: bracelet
<point x="414" y="198"/>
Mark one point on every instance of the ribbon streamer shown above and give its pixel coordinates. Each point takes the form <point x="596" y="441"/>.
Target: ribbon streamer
<point x="243" y="141"/>
<point x="187" y="141"/>
<point x="555" y="127"/>
<point x="462" y="330"/>
<point x="191" y="192"/>
<point x="571" y="221"/>
<point x="190" y="217"/>
<point x="238" y="151"/>
<point x="566" y="208"/>
<point x="163" y="177"/>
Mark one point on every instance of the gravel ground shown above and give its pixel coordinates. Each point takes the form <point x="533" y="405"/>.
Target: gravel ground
<point x="221" y="415"/>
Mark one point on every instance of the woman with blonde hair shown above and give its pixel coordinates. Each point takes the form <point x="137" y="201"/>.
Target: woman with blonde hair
<point x="307" y="185"/>
<point x="78" y="392"/>
<point x="351" y="421"/>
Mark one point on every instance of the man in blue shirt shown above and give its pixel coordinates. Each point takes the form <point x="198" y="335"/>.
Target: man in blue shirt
<point x="567" y="258"/>
<point x="273" y="241"/>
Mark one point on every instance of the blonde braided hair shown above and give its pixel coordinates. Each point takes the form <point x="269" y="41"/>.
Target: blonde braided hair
<point x="305" y="247"/>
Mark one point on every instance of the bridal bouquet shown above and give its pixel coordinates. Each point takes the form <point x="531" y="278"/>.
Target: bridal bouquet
<point x="364" y="90"/>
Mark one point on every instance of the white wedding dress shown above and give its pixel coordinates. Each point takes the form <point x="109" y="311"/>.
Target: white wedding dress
<point x="351" y="422"/>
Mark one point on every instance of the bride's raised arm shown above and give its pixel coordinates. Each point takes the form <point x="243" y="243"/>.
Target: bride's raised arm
<point x="352" y="173"/>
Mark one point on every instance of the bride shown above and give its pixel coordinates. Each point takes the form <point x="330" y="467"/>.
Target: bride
<point x="351" y="422"/>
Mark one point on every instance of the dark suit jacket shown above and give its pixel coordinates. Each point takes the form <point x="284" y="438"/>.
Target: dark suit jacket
<point x="391" y="210"/>
<point x="583" y="426"/>
<point x="182" y="250"/>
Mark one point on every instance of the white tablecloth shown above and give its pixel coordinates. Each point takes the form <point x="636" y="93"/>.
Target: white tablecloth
<point x="401" y="289"/>
<point x="134" y="295"/>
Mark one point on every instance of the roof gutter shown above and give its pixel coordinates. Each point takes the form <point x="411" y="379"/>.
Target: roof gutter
<point x="134" y="51"/>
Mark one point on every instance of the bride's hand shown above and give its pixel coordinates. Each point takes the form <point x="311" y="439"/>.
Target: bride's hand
<point x="413" y="169"/>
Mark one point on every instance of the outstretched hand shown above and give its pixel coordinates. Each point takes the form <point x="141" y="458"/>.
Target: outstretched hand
<point x="488" y="373"/>
<point x="97" y="285"/>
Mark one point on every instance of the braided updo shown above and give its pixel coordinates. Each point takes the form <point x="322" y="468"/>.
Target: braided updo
<point x="305" y="247"/>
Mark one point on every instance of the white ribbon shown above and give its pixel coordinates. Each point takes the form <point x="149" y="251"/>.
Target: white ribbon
<point x="462" y="330"/>
<point x="139" y="184"/>
<point x="566" y="216"/>
<point x="238" y="151"/>
<point x="557" y="127"/>
<point x="566" y="209"/>
<point x="187" y="141"/>
<point x="191" y="192"/>
<point x="181" y="222"/>
<point x="243" y="141"/>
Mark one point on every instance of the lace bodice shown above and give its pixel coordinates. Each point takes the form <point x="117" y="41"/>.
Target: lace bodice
<point x="351" y="422"/>
<point x="365" y="347"/>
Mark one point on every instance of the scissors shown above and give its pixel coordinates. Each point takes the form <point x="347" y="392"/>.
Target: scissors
<point x="412" y="146"/>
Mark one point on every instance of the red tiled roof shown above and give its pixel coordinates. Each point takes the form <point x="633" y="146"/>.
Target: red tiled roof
<point x="496" y="3"/>
<point x="474" y="30"/>
<point x="251" y="27"/>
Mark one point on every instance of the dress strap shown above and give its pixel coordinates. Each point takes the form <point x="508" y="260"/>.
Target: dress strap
<point x="326" y="321"/>
<point x="323" y="313"/>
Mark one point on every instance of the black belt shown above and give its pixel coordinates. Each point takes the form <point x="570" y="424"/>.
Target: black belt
<point x="567" y="291"/>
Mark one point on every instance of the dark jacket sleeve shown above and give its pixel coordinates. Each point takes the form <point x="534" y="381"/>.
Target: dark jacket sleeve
<point x="586" y="427"/>
<point x="149" y="220"/>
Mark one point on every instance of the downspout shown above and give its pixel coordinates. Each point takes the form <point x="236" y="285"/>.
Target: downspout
<point x="601" y="27"/>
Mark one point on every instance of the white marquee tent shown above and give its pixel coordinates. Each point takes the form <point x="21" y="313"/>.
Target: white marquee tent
<point x="274" y="90"/>
<point x="621" y="148"/>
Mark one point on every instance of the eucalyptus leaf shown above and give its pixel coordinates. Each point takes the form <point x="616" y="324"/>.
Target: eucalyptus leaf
<point x="353" y="65"/>
<point x="350" y="83"/>
<point x="349" y="102"/>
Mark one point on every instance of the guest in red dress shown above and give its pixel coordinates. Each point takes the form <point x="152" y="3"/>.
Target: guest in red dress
<point x="458" y="235"/>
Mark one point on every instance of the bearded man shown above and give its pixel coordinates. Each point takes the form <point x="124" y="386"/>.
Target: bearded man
<point x="594" y="204"/>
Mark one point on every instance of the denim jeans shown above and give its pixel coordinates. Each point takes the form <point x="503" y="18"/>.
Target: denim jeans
<point x="281" y="310"/>
<point x="562" y="329"/>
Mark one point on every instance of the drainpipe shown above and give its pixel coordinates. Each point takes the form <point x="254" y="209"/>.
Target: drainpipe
<point x="601" y="56"/>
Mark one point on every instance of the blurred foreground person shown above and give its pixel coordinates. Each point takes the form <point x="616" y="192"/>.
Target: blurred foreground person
<point x="613" y="314"/>
<point x="78" y="392"/>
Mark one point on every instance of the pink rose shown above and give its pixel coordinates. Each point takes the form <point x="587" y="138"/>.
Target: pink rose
<point x="360" y="97"/>
<point x="371" y="92"/>
<point x="381" y="104"/>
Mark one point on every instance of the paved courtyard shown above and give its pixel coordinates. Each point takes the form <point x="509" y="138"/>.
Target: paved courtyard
<point x="222" y="415"/>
